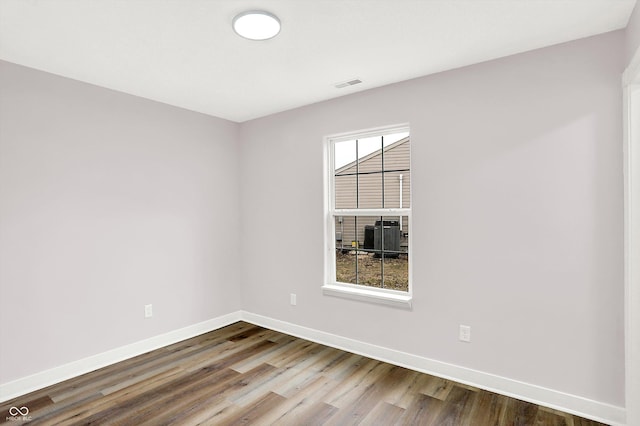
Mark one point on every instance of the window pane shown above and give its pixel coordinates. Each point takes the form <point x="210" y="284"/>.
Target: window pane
<point x="372" y="251"/>
<point x="346" y="246"/>
<point x="346" y="196"/>
<point x="396" y="273"/>
<point x="344" y="154"/>
<point x="369" y="266"/>
<point x="369" y="157"/>
<point x="356" y="262"/>
<point x="394" y="253"/>
<point x="396" y="164"/>
<point x="370" y="190"/>
<point x="400" y="142"/>
<point x="393" y="183"/>
<point x="369" y="154"/>
<point x="396" y="156"/>
<point x="345" y="233"/>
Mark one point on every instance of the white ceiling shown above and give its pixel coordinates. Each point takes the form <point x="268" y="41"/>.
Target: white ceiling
<point x="184" y="52"/>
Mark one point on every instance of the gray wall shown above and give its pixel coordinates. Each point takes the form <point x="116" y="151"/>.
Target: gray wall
<point x="633" y="33"/>
<point x="108" y="202"/>
<point x="517" y="217"/>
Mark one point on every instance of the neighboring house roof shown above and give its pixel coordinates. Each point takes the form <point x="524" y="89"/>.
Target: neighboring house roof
<point x="352" y="164"/>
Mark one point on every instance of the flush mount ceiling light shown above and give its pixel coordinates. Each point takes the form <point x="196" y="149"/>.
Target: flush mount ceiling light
<point x="256" y="25"/>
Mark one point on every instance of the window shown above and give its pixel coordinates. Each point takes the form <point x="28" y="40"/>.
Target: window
<point x="369" y="216"/>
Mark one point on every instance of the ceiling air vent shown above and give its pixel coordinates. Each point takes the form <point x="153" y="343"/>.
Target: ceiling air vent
<point x="348" y="83"/>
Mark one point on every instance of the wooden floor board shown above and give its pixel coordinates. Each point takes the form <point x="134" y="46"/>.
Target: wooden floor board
<point x="385" y="414"/>
<point x="402" y="396"/>
<point x="245" y="374"/>
<point x="317" y="413"/>
<point x="423" y="410"/>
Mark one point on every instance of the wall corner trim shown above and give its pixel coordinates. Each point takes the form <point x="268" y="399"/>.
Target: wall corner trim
<point x="630" y="74"/>
<point x="573" y="404"/>
<point x="58" y="374"/>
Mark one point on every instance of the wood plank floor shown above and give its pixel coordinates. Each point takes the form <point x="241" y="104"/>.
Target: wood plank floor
<point x="244" y="374"/>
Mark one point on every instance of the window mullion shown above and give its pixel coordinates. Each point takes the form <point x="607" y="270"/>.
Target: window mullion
<point x="382" y="217"/>
<point x="355" y="219"/>
<point x="357" y="176"/>
<point x="371" y="212"/>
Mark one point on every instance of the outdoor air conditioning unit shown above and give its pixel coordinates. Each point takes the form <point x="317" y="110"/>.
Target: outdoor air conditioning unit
<point x="389" y="231"/>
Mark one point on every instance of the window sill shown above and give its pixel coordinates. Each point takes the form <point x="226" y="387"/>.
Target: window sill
<point x="368" y="295"/>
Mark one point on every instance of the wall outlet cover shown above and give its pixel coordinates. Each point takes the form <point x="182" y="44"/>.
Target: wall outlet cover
<point x="465" y="333"/>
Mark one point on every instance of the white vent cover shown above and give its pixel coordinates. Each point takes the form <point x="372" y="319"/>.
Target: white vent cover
<point x="348" y="83"/>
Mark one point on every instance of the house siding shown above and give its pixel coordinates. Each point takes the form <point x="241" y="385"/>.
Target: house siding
<point x="396" y="163"/>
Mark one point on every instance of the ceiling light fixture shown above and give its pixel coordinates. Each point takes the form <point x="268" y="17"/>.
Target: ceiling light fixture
<point x="256" y="25"/>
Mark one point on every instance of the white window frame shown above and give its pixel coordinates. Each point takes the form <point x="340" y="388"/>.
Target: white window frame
<point x="331" y="287"/>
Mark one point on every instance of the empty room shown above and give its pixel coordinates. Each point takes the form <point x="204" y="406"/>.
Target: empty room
<point x="336" y="212"/>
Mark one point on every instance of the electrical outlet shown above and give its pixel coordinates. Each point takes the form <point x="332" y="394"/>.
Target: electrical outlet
<point x="465" y="333"/>
<point x="293" y="299"/>
<point x="148" y="311"/>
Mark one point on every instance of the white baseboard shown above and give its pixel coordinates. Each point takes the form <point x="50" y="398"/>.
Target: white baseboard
<point x="49" y="377"/>
<point x="538" y="395"/>
<point x="573" y="404"/>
